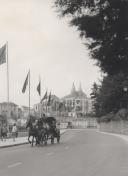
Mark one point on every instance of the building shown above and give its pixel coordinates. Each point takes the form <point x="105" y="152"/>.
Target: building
<point x="24" y="112"/>
<point x="50" y="108"/>
<point x="77" y="104"/>
<point x="9" y="110"/>
<point x="23" y="115"/>
<point x="38" y="109"/>
<point x="90" y="106"/>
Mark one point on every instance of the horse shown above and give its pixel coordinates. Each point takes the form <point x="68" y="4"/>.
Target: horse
<point x="33" y="132"/>
<point x="37" y="131"/>
<point x="42" y="131"/>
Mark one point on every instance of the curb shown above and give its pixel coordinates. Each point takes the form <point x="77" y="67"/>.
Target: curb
<point x="23" y="143"/>
<point x="123" y="137"/>
<point x="12" y="145"/>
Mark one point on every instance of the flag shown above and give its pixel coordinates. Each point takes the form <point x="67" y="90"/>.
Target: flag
<point x="3" y="54"/>
<point x="25" y="84"/>
<point x="39" y="88"/>
<point x="44" y="97"/>
<point x="49" y="99"/>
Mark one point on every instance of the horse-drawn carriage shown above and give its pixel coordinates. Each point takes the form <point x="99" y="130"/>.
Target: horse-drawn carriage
<point x="42" y="130"/>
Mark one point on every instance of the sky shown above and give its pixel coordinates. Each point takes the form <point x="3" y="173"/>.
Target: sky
<point x="42" y="42"/>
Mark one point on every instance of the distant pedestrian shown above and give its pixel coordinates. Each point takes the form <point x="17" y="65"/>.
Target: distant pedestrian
<point x="4" y="131"/>
<point x="14" y="131"/>
<point x="0" y="130"/>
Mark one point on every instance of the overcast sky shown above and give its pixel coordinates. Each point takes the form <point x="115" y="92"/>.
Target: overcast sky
<point x="39" y="40"/>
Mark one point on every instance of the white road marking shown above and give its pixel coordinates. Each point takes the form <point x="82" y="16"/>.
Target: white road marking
<point x="14" y="165"/>
<point x="48" y="154"/>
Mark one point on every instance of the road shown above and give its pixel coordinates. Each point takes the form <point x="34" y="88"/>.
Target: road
<point x="80" y="153"/>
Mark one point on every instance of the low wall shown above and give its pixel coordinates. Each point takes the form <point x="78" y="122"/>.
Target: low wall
<point x="120" y="127"/>
<point x="20" y="134"/>
<point x="63" y="125"/>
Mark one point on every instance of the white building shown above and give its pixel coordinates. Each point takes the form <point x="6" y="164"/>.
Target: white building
<point x="24" y="112"/>
<point x="77" y="103"/>
<point x="48" y="109"/>
<point x="10" y="110"/>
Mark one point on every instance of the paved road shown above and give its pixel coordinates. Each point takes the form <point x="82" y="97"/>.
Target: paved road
<point x="80" y="153"/>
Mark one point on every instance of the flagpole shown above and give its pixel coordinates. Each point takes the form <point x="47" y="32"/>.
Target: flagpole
<point x="29" y="93"/>
<point x="7" y="77"/>
<point x="55" y="102"/>
<point x="46" y="106"/>
<point x="47" y="103"/>
<point x="40" y="96"/>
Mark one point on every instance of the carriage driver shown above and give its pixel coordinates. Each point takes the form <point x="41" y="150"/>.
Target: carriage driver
<point x="41" y="121"/>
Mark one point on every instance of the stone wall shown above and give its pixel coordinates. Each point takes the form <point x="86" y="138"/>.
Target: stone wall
<point x="120" y="127"/>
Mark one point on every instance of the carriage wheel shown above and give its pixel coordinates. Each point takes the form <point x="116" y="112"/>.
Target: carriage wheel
<point x="45" y="142"/>
<point x="52" y="140"/>
<point x="32" y="142"/>
<point x="29" y="140"/>
<point x="45" y="139"/>
<point x="58" y="139"/>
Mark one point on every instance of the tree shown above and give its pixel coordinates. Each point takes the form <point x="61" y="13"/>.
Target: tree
<point x="110" y="96"/>
<point x="95" y="96"/>
<point x="95" y="91"/>
<point x="105" y="24"/>
<point x="13" y="116"/>
<point x="3" y="119"/>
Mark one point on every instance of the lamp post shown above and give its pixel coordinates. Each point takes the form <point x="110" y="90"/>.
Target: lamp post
<point x="125" y="89"/>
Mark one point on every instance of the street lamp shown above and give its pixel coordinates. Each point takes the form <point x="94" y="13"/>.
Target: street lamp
<point x="125" y="90"/>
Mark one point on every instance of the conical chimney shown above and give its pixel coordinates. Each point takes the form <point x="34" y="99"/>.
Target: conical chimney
<point x="80" y="88"/>
<point x="73" y="89"/>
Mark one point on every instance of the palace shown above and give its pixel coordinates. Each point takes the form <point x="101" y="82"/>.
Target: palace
<point x="77" y="103"/>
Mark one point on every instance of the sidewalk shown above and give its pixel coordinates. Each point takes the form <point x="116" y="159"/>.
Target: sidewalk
<point x="19" y="141"/>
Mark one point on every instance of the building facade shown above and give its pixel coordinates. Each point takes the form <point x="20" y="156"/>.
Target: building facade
<point x="50" y="108"/>
<point x="77" y="104"/>
<point x="24" y="112"/>
<point x="10" y="110"/>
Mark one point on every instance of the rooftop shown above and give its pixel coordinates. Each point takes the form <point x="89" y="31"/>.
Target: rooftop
<point x="76" y="93"/>
<point x="10" y="103"/>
